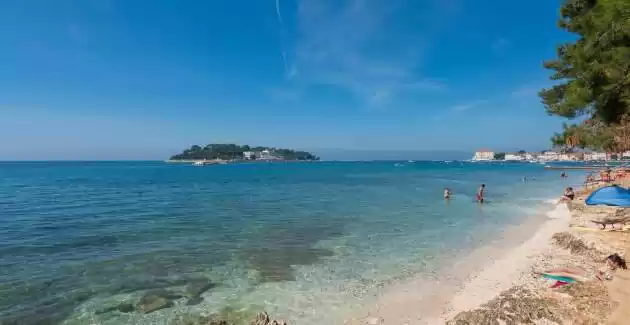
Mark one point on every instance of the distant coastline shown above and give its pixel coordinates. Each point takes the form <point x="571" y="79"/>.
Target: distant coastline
<point x="548" y="156"/>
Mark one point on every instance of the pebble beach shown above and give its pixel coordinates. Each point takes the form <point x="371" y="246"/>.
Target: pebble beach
<point x="570" y="239"/>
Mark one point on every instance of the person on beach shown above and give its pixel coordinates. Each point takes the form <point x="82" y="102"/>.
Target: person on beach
<point x="605" y="176"/>
<point x="564" y="276"/>
<point x="568" y="195"/>
<point x="563" y="175"/>
<point x="447" y="193"/>
<point x="480" y="192"/>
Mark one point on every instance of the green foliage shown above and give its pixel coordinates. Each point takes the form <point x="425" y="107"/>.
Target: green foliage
<point x="233" y="151"/>
<point x="593" y="71"/>
<point x="499" y="156"/>
<point x="595" y="68"/>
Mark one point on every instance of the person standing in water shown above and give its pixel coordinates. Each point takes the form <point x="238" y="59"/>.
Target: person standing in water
<point x="447" y="193"/>
<point x="480" y="193"/>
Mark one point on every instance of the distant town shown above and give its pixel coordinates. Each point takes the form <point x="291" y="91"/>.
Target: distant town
<point x="548" y="155"/>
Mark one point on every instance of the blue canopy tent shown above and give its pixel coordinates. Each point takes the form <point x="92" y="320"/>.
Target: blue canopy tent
<point x="610" y="195"/>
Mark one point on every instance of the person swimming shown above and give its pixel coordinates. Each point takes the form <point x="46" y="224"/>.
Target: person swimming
<point x="447" y="193"/>
<point x="480" y="193"/>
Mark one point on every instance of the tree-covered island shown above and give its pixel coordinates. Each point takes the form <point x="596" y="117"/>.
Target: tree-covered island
<point x="236" y="152"/>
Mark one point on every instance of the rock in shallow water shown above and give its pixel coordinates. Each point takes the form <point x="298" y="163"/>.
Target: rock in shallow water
<point x="194" y="301"/>
<point x="197" y="287"/>
<point x="123" y="308"/>
<point x="260" y="319"/>
<point x="151" y="302"/>
<point x="263" y="319"/>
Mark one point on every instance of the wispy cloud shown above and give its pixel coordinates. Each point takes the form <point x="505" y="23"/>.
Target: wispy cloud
<point x="458" y="108"/>
<point x="288" y="70"/>
<point x="278" y="14"/>
<point x="359" y="46"/>
<point x="461" y="107"/>
<point x="466" y="106"/>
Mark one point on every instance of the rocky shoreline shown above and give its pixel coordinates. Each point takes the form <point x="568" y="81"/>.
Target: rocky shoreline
<point x="583" y="245"/>
<point x="155" y="299"/>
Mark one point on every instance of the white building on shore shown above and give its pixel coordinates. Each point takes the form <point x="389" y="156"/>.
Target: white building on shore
<point x="549" y="156"/>
<point x="530" y="156"/>
<point x="514" y="157"/>
<point x="595" y="156"/>
<point x="249" y="155"/>
<point x="268" y="155"/>
<point x="483" y="155"/>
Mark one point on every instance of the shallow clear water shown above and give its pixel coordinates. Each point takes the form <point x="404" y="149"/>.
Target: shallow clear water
<point x="309" y="242"/>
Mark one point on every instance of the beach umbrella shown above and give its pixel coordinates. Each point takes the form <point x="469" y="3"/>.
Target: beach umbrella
<point x="610" y="195"/>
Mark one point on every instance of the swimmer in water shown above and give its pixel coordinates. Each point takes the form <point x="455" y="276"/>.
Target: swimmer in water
<point x="447" y="193"/>
<point x="480" y="192"/>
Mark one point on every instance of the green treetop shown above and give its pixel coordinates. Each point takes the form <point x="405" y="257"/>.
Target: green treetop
<point x="593" y="72"/>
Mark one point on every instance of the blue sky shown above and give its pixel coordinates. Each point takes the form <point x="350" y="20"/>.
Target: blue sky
<point x="137" y="79"/>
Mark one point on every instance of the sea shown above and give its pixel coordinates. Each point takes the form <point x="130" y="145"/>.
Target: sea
<point x="311" y="243"/>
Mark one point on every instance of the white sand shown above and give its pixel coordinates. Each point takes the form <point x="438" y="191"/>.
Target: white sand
<point x="424" y="301"/>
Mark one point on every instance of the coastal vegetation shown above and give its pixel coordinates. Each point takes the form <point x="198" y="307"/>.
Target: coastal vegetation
<point x="593" y="74"/>
<point x="234" y="151"/>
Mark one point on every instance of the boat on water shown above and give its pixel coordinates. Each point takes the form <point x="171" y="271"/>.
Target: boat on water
<point x="201" y="163"/>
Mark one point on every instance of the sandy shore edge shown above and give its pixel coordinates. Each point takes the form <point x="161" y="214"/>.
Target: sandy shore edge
<point x="507" y="291"/>
<point x="570" y="240"/>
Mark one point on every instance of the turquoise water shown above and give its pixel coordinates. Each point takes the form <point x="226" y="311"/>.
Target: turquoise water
<point x="310" y="242"/>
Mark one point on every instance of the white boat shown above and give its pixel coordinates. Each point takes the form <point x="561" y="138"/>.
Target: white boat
<point x="199" y="163"/>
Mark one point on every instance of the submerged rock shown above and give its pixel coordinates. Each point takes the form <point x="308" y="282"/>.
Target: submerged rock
<point x="263" y="319"/>
<point x="152" y="302"/>
<point x="194" y="301"/>
<point x="260" y="319"/>
<point x="122" y="307"/>
<point x="197" y="287"/>
<point x="140" y="284"/>
<point x="201" y="320"/>
<point x="170" y="295"/>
